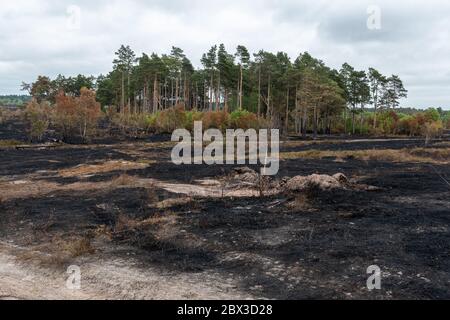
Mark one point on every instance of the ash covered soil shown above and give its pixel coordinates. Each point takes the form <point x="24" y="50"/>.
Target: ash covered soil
<point x="140" y="227"/>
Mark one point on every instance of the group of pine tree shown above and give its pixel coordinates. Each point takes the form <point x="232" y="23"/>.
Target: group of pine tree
<point x="301" y="95"/>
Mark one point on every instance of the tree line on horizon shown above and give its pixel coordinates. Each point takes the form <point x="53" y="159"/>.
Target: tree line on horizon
<point x="303" y="94"/>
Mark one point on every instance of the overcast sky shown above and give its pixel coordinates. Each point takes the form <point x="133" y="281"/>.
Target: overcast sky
<point x="45" y="37"/>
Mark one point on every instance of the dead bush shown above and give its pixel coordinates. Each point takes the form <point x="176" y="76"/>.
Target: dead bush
<point x="175" y="202"/>
<point x="170" y="120"/>
<point x="77" y="115"/>
<point x="124" y="223"/>
<point x="78" y="247"/>
<point x="122" y="181"/>
<point x="301" y="202"/>
<point x="431" y="130"/>
<point x="216" y="120"/>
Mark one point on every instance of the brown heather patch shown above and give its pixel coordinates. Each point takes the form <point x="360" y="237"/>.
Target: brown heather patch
<point x="438" y="156"/>
<point x="33" y="188"/>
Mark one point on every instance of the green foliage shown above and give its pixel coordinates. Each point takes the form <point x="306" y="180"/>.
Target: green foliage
<point x="169" y="120"/>
<point x="432" y="115"/>
<point x="245" y="120"/>
<point x="14" y="100"/>
<point x="281" y="91"/>
<point x="9" y="143"/>
<point x="37" y="116"/>
<point x="191" y="118"/>
<point x="176" y="118"/>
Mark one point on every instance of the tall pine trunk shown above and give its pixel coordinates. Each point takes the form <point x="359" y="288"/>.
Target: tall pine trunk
<point x="122" y="107"/>
<point x="241" y="87"/>
<point x="287" y="113"/>
<point x="259" y="92"/>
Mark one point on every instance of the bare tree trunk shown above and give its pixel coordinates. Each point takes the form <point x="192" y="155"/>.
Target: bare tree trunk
<point x="155" y="94"/>
<point x="375" y="105"/>
<point x="241" y="87"/>
<point x="218" y="93"/>
<point x="165" y="93"/>
<point x="287" y="113"/>
<point x="177" y="90"/>
<point x="122" y="107"/>
<point x="171" y="92"/>
<point x="144" y="103"/>
<point x="345" y="119"/>
<point x="305" y="121"/>
<point x="226" y="100"/>
<point x="211" y="90"/>
<point x="185" y="92"/>
<point x="362" y="120"/>
<point x="204" y="94"/>
<point x="268" y="99"/>
<point x="315" y="122"/>
<point x="128" y="90"/>
<point x="238" y="92"/>
<point x="259" y="92"/>
<point x="353" y="120"/>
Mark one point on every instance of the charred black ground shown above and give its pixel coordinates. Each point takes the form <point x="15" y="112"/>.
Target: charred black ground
<point x="318" y="249"/>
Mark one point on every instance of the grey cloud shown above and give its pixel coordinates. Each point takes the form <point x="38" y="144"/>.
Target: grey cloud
<point x="413" y="41"/>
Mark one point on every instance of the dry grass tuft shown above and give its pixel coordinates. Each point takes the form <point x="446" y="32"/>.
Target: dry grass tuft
<point x="109" y="166"/>
<point x="175" y="202"/>
<point x="78" y="247"/>
<point x="59" y="252"/>
<point x="301" y="203"/>
<point x="123" y="180"/>
<point x="124" y="223"/>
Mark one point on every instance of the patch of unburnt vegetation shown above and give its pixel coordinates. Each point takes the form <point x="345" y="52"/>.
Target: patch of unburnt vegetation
<point x="10" y="143"/>
<point x="405" y="155"/>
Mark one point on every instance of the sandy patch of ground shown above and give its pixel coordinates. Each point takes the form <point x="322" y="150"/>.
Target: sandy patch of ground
<point x="108" y="278"/>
